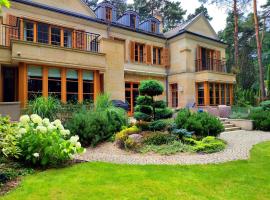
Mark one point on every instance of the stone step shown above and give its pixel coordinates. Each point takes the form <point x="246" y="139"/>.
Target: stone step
<point x="226" y="122"/>
<point x="228" y="125"/>
<point x="232" y="129"/>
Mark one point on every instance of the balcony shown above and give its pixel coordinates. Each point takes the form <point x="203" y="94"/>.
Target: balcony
<point x="40" y="33"/>
<point x="214" y="65"/>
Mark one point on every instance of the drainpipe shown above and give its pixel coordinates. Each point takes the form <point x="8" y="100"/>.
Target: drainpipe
<point x="167" y="78"/>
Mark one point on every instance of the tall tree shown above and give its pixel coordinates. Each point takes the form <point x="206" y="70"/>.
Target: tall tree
<point x="4" y="3"/>
<point x="259" y="49"/>
<point x="200" y="10"/>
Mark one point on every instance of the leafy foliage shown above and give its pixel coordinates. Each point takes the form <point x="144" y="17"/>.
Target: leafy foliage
<point x="198" y="11"/>
<point x="46" y="107"/>
<point x="261" y="119"/>
<point x="122" y="136"/>
<point x="158" y="138"/>
<point x="158" y="125"/>
<point x="202" y="124"/>
<point x="99" y="123"/>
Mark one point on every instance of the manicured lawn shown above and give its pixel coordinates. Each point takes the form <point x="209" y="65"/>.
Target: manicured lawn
<point x="235" y="180"/>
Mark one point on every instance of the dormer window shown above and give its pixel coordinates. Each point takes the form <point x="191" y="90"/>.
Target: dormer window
<point x="153" y="27"/>
<point x="133" y="21"/>
<point x="108" y="13"/>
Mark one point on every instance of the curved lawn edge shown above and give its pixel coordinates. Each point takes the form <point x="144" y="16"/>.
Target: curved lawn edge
<point x="239" y="144"/>
<point x="232" y="180"/>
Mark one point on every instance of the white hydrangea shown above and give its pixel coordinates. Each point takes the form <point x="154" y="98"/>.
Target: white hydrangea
<point x="51" y="127"/>
<point x="60" y="127"/>
<point x="46" y="122"/>
<point x="24" y="119"/>
<point x="36" y="119"/>
<point x="57" y="122"/>
<point x="65" y="132"/>
<point x="22" y="131"/>
<point x="78" y="145"/>
<point x="36" y="155"/>
<point x="74" y="139"/>
<point x="42" y="129"/>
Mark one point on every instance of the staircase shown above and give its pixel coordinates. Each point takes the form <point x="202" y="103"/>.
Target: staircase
<point x="228" y="125"/>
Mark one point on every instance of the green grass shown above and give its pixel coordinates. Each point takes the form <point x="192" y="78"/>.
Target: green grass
<point x="247" y="180"/>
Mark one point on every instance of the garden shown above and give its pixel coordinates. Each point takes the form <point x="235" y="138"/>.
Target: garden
<point x="50" y="135"/>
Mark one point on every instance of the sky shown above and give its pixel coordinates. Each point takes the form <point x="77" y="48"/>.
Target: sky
<point x="219" y="15"/>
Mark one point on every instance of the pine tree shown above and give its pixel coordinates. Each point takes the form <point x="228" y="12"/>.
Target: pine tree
<point x="200" y="10"/>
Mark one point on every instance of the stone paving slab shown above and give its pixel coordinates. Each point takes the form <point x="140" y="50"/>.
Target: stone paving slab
<point x="239" y="144"/>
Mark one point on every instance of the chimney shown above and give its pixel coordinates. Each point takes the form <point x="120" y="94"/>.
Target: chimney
<point x="159" y="17"/>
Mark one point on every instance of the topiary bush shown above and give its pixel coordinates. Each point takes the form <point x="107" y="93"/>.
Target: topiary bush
<point x="158" y="125"/>
<point x="147" y="108"/>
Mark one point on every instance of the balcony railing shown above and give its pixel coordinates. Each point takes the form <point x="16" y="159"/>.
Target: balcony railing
<point x="210" y="65"/>
<point x="76" y="40"/>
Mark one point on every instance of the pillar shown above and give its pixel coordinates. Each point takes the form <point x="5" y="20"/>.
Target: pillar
<point x="23" y="84"/>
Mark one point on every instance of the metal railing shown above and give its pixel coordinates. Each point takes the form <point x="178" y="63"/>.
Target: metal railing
<point x="77" y="39"/>
<point x="211" y="65"/>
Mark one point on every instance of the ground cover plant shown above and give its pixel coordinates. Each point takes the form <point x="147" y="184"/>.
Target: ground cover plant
<point x="238" y="180"/>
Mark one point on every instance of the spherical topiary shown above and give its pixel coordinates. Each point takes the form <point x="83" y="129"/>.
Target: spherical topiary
<point x="151" y="88"/>
<point x="144" y="100"/>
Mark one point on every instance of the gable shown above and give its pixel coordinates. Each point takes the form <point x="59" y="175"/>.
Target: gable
<point x="202" y="26"/>
<point x="76" y="6"/>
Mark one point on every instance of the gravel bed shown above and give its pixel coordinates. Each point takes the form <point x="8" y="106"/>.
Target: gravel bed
<point x="239" y="144"/>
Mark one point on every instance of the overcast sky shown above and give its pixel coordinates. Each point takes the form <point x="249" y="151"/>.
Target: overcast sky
<point x="218" y="14"/>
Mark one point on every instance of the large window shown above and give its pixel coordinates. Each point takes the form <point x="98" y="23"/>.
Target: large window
<point x="200" y="93"/>
<point x="219" y="94"/>
<point x="54" y="82"/>
<point x="29" y="31"/>
<point x="88" y="86"/>
<point x="72" y="85"/>
<point x="34" y="82"/>
<point x="157" y="55"/>
<point x="67" y="38"/>
<point x="139" y="53"/>
<point x="131" y="94"/>
<point x="174" y="95"/>
<point x="43" y="33"/>
<point x="55" y="36"/>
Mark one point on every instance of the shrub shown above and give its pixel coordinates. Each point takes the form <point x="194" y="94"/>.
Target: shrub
<point x="163" y="113"/>
<point x="143" y="125"/>
<point x="9" y="138"/>
<point x="45" y="143"/>
<point x="208" y="145"/>
<point x="202" y="124"/>
<point x="122" y="136"/>
<point x="99" y="123"/>
<point x="265" y="105"/>
<point x="159" y="125"/>
<point x="182" y="117"/>
<point x="158" y="138"/>
<point x="45" y="107"/>
<point x="166" y="149"/>
<point x="150" y="88"/>
<point x="181" y="133"/>
<point x="261" y="120"/>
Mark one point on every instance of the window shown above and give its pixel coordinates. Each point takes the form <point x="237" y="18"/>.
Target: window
<point x="55" y="36"/>
<point x="222" y="94"/>
<point x="153" y="27"/>
<point x="67" y="38"/>
<point x="88" y="86"/>
<point x="29" y="31"/>
<point x="34" y="82"/>
<point x="43" y="33"/>
<point x="212" y="93"/>
<point x="54" y="82"/>
<point x="228" y="95"/>
<point x="217" y="93"/>
<point x="139" y="53"/>
<point x="131" y="94"/>
<point x="133" y="21"/>
<point x="200" y="93"/>
<point x="72" y="85"/>
<point x="174" y="95"/>
<point x="157" y="56"/>
<point x="108" y="13"/>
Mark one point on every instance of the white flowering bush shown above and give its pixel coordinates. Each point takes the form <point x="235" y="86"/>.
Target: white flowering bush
<point x="46" y="143"/>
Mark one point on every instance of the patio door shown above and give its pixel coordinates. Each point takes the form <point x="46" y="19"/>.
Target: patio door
<point x="10" y="84"/>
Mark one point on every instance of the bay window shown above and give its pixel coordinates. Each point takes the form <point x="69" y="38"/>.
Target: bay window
<point x="72" y="85"/>
<point x="54" y="82"/>
<point x="34" y="82"/>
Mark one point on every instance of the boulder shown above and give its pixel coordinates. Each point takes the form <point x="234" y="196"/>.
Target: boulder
<point x="136" y="138"/>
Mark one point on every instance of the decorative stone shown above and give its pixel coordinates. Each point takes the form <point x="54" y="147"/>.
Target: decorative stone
<point x="136" y="138"/>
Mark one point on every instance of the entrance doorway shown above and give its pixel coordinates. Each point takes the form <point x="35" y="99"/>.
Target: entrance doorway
<point x="9" y="84"/>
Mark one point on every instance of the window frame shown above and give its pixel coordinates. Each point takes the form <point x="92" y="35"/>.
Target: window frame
<point x="36" y="93"/>
<point x="108" y="13"/>
<point x="52" y="93"/>
<point x="157" y="54"/>
<point x="174" y="95"/>
<point x="139" y="49"/>
<point x="72" y="81"/>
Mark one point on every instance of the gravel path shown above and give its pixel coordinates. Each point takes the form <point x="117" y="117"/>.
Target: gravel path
<point x="239" y="145"/>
